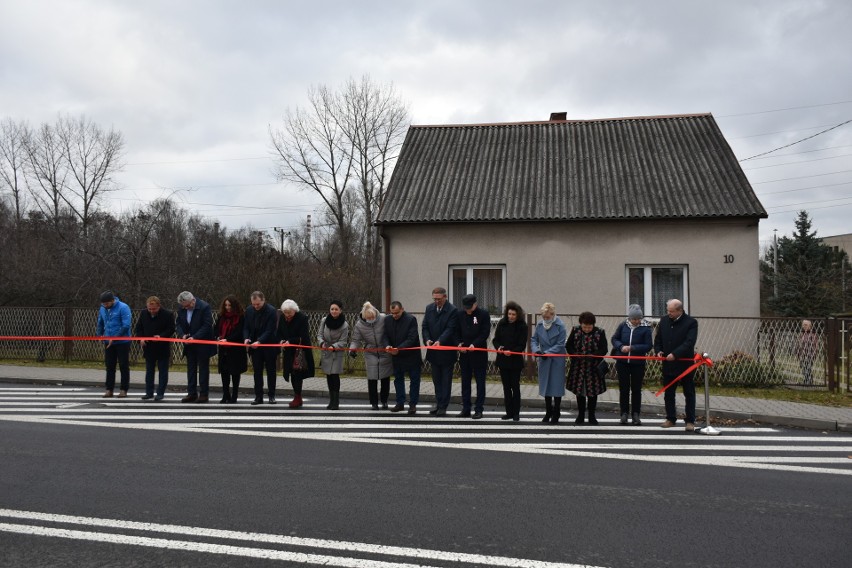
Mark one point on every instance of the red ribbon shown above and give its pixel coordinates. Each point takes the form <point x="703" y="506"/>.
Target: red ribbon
<point x="698" y="361"/>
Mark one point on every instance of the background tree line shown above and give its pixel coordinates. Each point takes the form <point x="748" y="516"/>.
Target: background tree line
<point x="60" y="247"/>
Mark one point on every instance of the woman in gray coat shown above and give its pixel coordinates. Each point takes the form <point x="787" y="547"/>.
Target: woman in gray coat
<point x="333" y="337"/>
<point x="368" y="333"/>
<point x="549" y="338"/>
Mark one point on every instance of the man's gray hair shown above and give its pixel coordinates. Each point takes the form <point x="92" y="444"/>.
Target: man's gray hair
<point x="289" y="305"/>
<point x="258" y="294"/>
<point x="185" y="296"/>
<point x="674" y="303"/>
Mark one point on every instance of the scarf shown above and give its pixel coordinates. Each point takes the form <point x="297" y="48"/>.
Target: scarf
<point x="229" y="323"/>
<point x="332" y="322"/>
<point x="547" y="324"/>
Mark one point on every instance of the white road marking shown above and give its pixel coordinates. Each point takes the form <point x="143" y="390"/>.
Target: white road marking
<point x="306" y="558"/>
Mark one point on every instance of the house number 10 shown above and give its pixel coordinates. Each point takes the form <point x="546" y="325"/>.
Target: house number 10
<point x="729" y="258"/>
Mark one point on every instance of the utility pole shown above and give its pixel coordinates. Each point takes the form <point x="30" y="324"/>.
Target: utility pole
<point x="775" y="263"/>
<point x="308" y="234"/>
<point x="281" y="234"/>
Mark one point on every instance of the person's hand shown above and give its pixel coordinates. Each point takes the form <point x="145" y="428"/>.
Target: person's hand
<point x="429" y="343"/>
<point x="353" y="353"/>
<point x="142" y="342"/>
<point x="109" y="344"/>
<point x="660" y="354"/>
<point x="625" y="349"/>
<point x="670" y="357"/>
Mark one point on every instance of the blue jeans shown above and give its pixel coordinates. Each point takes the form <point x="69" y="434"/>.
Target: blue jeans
<point x="442" y="378"/>
<point x="117" y="353"/>
<point x="399" y="385"/>
<point x="688" y="385"/>
<point x="197" y="371"/>
<point x="162" y="365"/>
<point x="469" y="371"/>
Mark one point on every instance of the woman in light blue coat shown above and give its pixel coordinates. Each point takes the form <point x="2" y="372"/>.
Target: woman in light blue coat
<point x="549" y="338"/>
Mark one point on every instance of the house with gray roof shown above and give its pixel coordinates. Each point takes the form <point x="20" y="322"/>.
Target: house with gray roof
<point x="588" y="214"/>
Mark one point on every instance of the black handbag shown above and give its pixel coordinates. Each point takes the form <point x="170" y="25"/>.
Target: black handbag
<point x="299" y="361"/>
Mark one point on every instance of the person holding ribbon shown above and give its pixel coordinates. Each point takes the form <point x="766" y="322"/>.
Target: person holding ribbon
<point x="439" y="329"/>
<point x="549" y="339"/>
<point x="403" y="344"/>
<point x="473" y="327"/>
<point x="333" y="338"/>
<point x="195" y="321"/>
<point x="584" y="380"/>
<point x="631" y="337"/>
<point x="258" y="333"/>
<point x="510" y="339"/>
<point x="675" y="342"/>
<point x="369" y="333"/>
<point x="293" y="329"/>
<point x="155" y="322"/>
<point x="114" y="321"/>
<point x="232" y="360"/>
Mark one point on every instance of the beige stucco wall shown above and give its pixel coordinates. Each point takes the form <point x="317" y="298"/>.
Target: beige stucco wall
<point x="843" y="242"/>
<point x="581" y="266"/>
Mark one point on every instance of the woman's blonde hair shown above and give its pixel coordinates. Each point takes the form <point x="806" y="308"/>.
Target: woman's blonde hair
<point x="547" y="307"/>
<point x="369" y="308"/>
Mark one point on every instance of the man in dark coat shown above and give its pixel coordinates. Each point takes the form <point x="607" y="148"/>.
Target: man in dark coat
<point x="195" y="321"/>
<point x="473" y="328"/>
<point x="155" y="322"/>
<point x="260" y="328"/>
<point x="675" y="340"/>
<point x="401" y="333"/>
<point x="439" y="329"/>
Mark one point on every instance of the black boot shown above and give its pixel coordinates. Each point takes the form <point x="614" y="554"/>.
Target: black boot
<point x="235" y="388"/>
<point x="581" y="410"/>
<point x="557" y="410"/>
<point x="548" y="408"/>
<point x="593" y="402"/>
<point x="226" y="393"/>
<point x="335" y="401"/>
<point x="636" y="421"/>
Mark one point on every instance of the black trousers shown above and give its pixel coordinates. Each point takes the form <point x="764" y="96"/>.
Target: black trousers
<point x="230" y="385"/>
<point x="630" y="386"/>
<point x="117" y="353"/>
<point x="264" y="359"/>
<point x="373" y="390"/>
<point x="511" y="379"/>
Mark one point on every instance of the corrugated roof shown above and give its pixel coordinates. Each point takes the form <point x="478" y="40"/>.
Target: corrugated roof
<point x="622" y="168"/>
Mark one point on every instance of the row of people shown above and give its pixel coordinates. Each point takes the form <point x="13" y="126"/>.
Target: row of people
<point x="390" y="345"/>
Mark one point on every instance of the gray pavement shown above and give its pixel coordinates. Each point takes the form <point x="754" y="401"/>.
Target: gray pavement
<point x="783" y="413"/>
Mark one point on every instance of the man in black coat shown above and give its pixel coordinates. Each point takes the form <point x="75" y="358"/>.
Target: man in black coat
<point x="675" y="340"/>
<point x="260" y="328"/>
<point x="439" y="329"/>
<point x="400" y="333"/>
<point x="473" y="328"/>
<point x="155" y="322"/>
<point x="195" y="321"/>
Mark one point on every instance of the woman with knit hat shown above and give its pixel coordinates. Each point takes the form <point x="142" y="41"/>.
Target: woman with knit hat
<point x="632" y="337"/>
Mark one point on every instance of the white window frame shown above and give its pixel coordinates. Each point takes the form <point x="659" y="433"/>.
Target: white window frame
<point x="469" y="278"/>
<point x="647" y="301"/>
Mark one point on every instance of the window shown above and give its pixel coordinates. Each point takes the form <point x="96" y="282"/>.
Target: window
<point x="652" y="286"/>
<point x="487" y="283"/>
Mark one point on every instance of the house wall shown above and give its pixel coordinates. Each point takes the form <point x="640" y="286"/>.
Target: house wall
<point x="581" y="265"/>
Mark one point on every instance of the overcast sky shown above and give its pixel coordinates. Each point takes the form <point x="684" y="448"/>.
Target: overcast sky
<point x="194" y="85"/>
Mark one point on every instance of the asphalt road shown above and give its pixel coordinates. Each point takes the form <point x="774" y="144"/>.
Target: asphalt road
<point x="85" y="493"/>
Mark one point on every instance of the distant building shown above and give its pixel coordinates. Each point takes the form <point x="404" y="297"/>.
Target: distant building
<point x="840" y="242"/>
<point x="588" y="214"/>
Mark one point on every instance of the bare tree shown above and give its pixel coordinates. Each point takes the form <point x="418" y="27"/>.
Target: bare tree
<point x="374" y="120"/>
<point x="93" y="157"/>
<point x="314" y="153"/>
<point x="13" y="160"/>
<point x="47" y="171"/>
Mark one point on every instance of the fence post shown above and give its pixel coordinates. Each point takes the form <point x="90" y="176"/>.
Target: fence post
<point x="68" y="331"/>
<point x="831" y="352"/>
<point x="530" y="362"/>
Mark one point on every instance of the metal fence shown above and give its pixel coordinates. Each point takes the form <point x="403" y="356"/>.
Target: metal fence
<point x="746" y="351"/>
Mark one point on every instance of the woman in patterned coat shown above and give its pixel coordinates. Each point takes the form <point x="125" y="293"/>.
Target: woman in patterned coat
<point x="584" y="379"/>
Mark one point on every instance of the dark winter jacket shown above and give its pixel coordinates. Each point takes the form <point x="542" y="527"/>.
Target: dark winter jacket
<point x="199" y="327"/>
<point x="678" y="338"/>
<point x="232" y="360"/>
<point x="402" y="333"/>
<point x="638" y="338"/>
<point x="473" y="329"/>
<point x="440" y="327"/>
<point x="511" y="337"/>
<point x="296" y="331"/>
<point x="163" y="325"/>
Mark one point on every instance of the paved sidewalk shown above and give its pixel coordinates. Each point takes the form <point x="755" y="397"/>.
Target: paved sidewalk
<point x="766" y="411"/>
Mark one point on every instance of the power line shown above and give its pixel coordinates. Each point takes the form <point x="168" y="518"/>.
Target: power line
<point x="813" y="208"/>
<point x="783" y="109"/>
<point x="796" y="163"/>
<point x="810" y="202"/>
<point x="780" y="132"/>
<point x="804" y="188"/>
<point x="800" y="177"/>
<point x="804" y="152"/>
<point x="198" y="161"/>
<point x="798" y="141"/>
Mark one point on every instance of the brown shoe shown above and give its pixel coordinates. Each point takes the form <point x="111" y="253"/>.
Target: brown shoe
<point x="202" y="398"/>
<point x="667" y="424"/>
<point x="107" y="394"/>
<point x="690" y="427"/>
<point x="412" y="409"/>
<point x="189" y="398"/>
<point x="122" y="394"/>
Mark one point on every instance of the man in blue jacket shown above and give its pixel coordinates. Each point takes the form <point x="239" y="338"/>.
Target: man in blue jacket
<point x="675" y="340"/>
<point x="195" y="321"/>
<point x="439" y="329"/>
<point x="114" y="321"/>
<point x="473" y="328"/>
